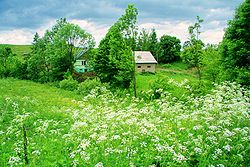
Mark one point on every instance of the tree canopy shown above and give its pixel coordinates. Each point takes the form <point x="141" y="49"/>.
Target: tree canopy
<point x="236" y="43"/>
<point x="169" y="49"/>
<point x="54" y="53"/>
<point x="113" y="62"/>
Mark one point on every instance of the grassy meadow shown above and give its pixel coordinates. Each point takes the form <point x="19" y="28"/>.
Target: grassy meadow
<point x="104" y="129"/>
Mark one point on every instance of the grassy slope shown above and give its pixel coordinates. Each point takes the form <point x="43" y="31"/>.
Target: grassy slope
<point x="19" y="49"/>
<point x="46" y="103"/>
<point x="177" y="71"/>
<point x="51" y="115"/>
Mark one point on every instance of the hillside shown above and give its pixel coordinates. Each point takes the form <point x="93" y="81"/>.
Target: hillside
<point x="103" y="129"/>
<point x="19" y="49"/>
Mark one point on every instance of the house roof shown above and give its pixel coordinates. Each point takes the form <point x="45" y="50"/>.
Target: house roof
<point x="144" y="57"/>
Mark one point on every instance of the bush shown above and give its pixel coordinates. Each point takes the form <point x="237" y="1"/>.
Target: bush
<point x="81" y="77"/>
<point x="69" y="84"/>
<point x="86" y="86"/>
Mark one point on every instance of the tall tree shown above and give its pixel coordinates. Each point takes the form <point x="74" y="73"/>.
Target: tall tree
<point x="169" y="49"/>
<point x="5" y="60"/>
<point x="193" y="51"/>
<point x="148" y="42"/>
<point x="153" y="43"/>
<point x="113" y="62"/>
<point x="235" y="45"/>
<point x="127" y="24"/>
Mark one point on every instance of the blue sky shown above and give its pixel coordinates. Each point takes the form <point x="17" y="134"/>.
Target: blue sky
<point x="20" y="19"/>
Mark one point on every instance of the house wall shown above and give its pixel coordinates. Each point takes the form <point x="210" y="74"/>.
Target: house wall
<point x="81" y="66"/>
<point x="145" y="67"/>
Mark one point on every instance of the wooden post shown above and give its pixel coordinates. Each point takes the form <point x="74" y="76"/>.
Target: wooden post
<point x="25" y="145"/>
<point x="134" y="78"/>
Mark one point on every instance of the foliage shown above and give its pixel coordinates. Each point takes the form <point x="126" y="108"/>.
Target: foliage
<point x="236" y="44"/>
<point x="192" y="52"/>
<point x="68" y="84"/>
<point x="88" y="85"/>
<point x="169" y="49"/>
<point x="211" y="60"/>
<point x="127" y="26"/>
<point x="148" y="42"/>
<point x="113" y="62"/>
<point x="54" y="53"/>
<point x="5" y="60"/>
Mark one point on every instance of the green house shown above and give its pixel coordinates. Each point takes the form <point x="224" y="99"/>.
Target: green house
<point x="82" y="66"/>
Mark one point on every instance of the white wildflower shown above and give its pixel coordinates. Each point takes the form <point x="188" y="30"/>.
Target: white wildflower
<point x="99" y="164"/>
<point x="197" y="150"/>
<point x="227" y="147"/>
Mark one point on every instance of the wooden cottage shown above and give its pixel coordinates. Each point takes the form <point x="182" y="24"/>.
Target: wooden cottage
<point x="144" y="61"/>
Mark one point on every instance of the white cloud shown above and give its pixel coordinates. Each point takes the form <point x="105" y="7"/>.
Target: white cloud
<point x="172" y="28"/>
<point x="212" y="36"/>
<point x="16" y="36"/>
<point x="98" y="31"/>
<point x="179" y="29"/>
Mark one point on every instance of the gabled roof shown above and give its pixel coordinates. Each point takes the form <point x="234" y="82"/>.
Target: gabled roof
<point x="144" y="57"/>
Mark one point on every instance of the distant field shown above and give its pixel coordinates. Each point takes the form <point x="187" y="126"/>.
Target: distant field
<point x="19" y="49"/>
<point x="177" y="71"/>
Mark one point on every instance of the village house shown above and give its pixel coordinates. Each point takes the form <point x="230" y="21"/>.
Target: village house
<point x="144" y="61"/>
<point x="81" y="66"/>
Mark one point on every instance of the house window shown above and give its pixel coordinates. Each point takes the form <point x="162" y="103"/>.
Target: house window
<point x="139" y="66"/>
<point x="80" y="69"/>
<point x="85" y="70"/>
<point x="84" y="63"/>
<point x="149" y="66"/>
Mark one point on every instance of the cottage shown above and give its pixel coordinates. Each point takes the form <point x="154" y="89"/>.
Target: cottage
<point x="144" y="61"/>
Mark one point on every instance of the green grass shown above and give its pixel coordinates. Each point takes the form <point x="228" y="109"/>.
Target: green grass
<point x="179" y="65"/>
<point x="64" y="128"/>
<point x="177" y="71"/>
<point x="46" y="105"/>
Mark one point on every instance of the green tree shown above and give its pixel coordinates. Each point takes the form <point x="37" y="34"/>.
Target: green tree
<point x="235" y="45"/>
<point x="169" y="49"/>
<point x="7" y="61"/>
<point x="212" y="62"/>
<point x="127" y="24"/>
<point x="143" y="41"/>
<point x="113" y="62"/>
<point x="193" y="51"/>
<point x="153" y="43"/>
<point x="148" y="42"/>
<point x="54" y="53"/>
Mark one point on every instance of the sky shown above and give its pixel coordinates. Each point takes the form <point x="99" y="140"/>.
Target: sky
<point x="20" y="19"/>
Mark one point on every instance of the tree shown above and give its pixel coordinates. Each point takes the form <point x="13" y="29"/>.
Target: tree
<point x="54" y="53"/>
<point x="113" y="62"/>
<point x="212" y="62"/>
<point x="192" y="52"/>
<point x="153" y="42"/>
<point x="6" y="61"/>
<point x="235" y="45"/>
<point x="148" y="42"/>
<point x="169" y="49"/>
<point x="128" y="27"/>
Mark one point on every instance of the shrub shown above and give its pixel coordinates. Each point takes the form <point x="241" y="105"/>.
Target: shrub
<point x="86" y="86"/>
<point x="69" y="84"/>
